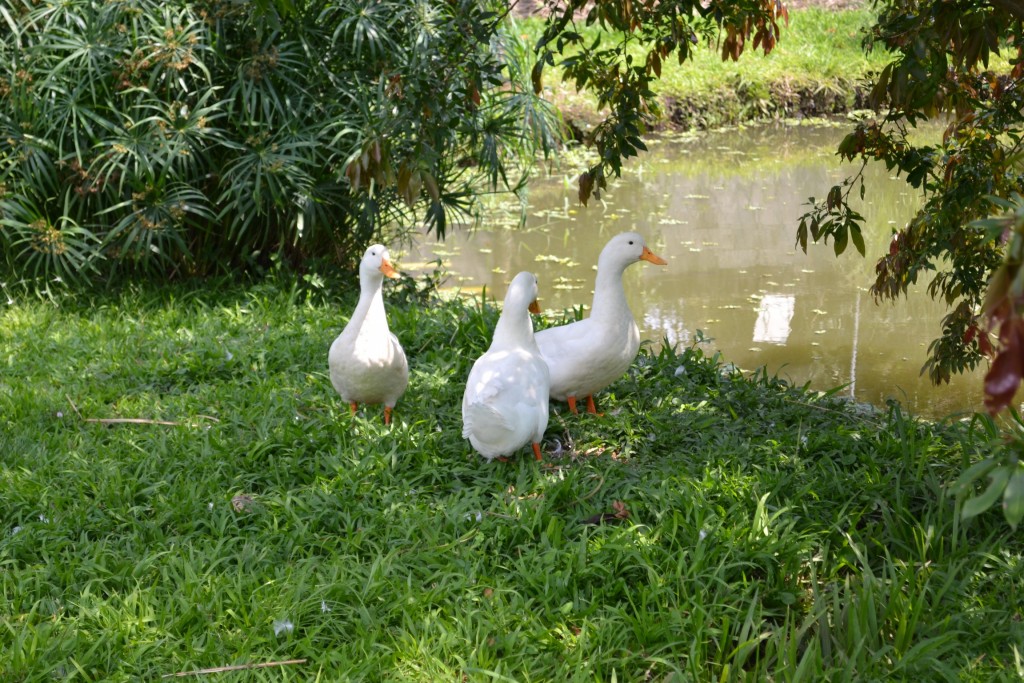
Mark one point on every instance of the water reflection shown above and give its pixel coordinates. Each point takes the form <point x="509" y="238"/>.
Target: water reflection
<point x="723" y="210"/>
<point x="773" y="316"/>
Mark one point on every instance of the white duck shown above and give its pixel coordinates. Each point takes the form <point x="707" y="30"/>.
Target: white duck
<point x="505" y="405"/>
<point x="588" y="355"/>
<point x="367" y="363"/>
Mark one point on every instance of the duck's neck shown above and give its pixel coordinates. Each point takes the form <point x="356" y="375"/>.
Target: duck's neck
<point x="514" y="330"/>
<point x="609" y="295"/>
<point x="369" y="314"/>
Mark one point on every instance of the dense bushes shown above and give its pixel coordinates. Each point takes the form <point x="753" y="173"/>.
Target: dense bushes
<point x="195" y="136"/>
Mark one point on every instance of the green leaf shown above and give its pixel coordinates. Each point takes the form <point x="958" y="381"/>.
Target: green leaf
<point x="858" y="239"/>
<point x="1013" y="498"/>
<point x="997" y="483"/>
<point x="965" y="481"/>
<point x="840" y="239"/>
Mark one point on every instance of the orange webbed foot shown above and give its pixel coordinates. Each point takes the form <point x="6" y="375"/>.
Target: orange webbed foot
<point x="591" y="408"/>
<point x="352" y="407"/>
<point x="572" y="405"/>
<point x="387" y="415"/>
<point x="536" y="452"/>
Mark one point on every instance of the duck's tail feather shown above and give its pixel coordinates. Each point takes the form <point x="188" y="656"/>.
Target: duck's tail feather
<point x="485" y="424"/>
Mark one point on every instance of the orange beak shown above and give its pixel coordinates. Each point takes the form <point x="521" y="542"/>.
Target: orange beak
<point x="650" y="256"/>
<point x="534" y="307"/>
<point x="388" y="269"/>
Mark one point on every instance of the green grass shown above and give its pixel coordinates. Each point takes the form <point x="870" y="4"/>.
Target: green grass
<point x="817" y="68"/>
<point x="773" y="533"/>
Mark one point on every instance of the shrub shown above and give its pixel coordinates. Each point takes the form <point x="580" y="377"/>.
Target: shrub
<point x="196" y="136"/>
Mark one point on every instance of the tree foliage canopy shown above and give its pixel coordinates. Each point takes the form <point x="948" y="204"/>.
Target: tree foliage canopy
<point x="944" y="68"/>
<point x="622" y="83"/>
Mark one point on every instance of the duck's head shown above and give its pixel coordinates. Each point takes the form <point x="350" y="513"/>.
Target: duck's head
<point x="522" y="293"/>
<point x="625" y="249"/>
<point x="376" y="261"/>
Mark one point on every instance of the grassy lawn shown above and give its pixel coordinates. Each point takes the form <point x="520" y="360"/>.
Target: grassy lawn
<point x="772" y="533"/>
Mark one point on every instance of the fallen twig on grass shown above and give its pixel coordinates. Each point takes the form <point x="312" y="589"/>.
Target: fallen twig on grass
<point x="234" y="667"/>
<point x="128" y="420"/>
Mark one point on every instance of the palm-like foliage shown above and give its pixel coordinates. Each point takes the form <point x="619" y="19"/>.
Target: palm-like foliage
<point x="201" y="134"/>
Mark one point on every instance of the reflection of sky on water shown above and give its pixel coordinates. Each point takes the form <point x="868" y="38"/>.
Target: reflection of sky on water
<point x="773" y="317"/>
<point x="726" y="225"/>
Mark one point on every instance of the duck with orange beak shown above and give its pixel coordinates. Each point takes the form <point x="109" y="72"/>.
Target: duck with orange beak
<point x="586" y="356"/>
<point x="505" y="404"/>
<point x="366" y="361"/>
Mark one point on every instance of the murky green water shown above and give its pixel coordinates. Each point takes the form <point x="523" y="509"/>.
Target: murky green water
<point x="723" y="210"/>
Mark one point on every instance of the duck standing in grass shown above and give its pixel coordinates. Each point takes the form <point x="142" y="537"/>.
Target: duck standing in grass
<point x="505" y="405"/>
<point x="586" y="356"/>
<point x="367" y="363"/>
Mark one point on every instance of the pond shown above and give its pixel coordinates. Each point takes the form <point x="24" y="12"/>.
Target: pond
<point x="722" y="208"/>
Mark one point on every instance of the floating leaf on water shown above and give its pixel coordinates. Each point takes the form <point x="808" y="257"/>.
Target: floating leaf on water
<point x="485" y="250"/>
<point x="550" y="258"/>
<point x="754" y="349"/>
<point x="819" y="332"/>
<point x="696" y="196"/>
<point x="818" y="311"/>
<point x="805" y="270"/>
<point x="419" y="265"/>
<point x="498" y="270"/>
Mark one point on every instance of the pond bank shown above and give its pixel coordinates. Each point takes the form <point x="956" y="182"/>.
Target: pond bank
<point x="818" y="68"/>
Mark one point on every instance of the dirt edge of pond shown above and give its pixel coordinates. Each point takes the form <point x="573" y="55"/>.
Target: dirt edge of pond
<point x="736" y="105"/>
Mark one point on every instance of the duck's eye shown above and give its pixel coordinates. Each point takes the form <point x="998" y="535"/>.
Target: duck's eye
<point x="631" y="243"/>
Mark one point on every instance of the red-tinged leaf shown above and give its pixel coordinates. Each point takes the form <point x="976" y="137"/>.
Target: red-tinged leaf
<point x="586" y="183"/>
<point x="984" y="345"/>
<point x="1004" y="377"/>
<point x="970" y="333"/>
<point x="998" y="286"/>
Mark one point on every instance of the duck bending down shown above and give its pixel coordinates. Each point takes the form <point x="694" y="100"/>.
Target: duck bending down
<point x="586" y="356"/>
<point x="367" y="362"/>
<point x="505" y="405"/>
